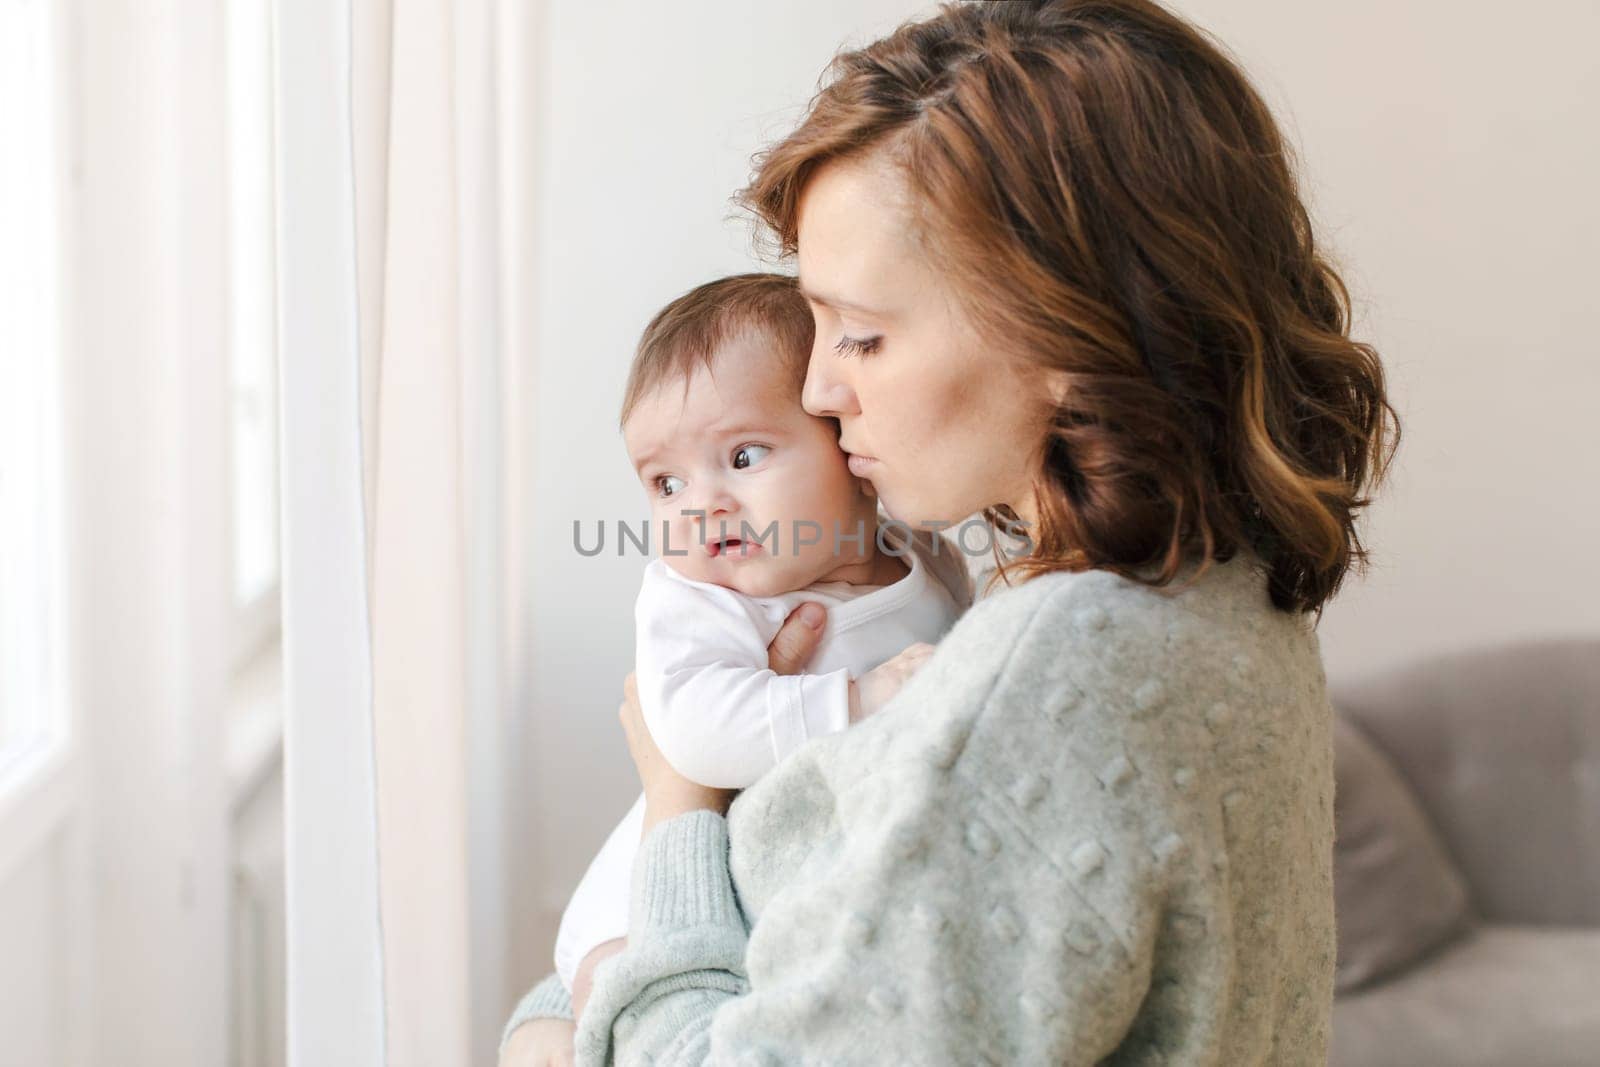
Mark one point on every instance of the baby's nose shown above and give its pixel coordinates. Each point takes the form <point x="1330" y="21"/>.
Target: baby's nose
<point x="715" y="508"/>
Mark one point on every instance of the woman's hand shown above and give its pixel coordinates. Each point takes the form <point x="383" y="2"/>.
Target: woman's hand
<point x="668" y="793"/>
<point x="540" y="1043"/>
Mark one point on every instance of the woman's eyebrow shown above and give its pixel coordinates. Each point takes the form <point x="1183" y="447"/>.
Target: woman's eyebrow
<point x="835" y="302"/>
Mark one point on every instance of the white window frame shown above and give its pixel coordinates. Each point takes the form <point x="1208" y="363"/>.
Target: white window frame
<point x="42" y="744"/>
<point x="254" y="737"/>
<point x="256" y="624"/>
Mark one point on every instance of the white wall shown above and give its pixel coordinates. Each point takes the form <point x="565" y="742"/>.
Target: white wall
<point x="1452" y="162"/>
<point x="1454" y="154"/>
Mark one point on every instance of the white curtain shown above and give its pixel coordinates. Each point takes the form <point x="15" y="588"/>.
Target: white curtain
<point x="401" y="437"/>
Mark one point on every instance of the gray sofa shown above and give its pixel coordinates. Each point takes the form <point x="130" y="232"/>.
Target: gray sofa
<point x="1467" y="866"/>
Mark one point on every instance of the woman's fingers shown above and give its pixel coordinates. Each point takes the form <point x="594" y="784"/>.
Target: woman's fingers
<point x="798" y="638"/>
<point x="630" y="694"/>
<point x="640" y="744"/>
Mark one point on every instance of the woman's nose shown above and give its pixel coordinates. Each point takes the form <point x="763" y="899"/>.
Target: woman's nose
<point x="825" y="392"/>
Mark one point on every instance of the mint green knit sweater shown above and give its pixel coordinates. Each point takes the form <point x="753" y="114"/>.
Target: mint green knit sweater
<point x="1097" y="825"/>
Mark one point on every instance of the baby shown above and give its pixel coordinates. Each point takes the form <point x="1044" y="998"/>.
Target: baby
<point x="753" y="512"/>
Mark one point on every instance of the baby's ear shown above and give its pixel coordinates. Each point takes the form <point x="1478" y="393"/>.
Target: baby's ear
<point x="1058" y="384"/>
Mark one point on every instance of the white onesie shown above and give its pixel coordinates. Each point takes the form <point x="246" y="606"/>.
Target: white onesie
<point x="722" y="718"/>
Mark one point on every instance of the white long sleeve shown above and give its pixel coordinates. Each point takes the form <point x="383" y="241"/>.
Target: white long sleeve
<point x="720" y="716"/>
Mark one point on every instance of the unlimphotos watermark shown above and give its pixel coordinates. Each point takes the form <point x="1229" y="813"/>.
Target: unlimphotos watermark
<point x="893" y="537"/>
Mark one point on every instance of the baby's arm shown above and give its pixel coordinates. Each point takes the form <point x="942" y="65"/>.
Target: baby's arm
<point x="720" y="716"/>
<point x="725" y="725"/>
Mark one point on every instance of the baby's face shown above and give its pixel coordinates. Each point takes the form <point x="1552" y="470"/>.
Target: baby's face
<point x="740" y="449"/>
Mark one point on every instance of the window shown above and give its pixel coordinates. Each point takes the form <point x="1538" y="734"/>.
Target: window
<point x="254" y="730"/>
<point x="32" y="691"/>
<point x="252" y="342"/>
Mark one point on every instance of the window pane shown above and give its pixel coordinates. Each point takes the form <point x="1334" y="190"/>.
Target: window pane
<point x="32" y="707"/>
<point x="253" y="300"/>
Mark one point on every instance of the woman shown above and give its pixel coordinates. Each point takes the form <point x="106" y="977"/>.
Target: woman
<point x="1061" y="274"/>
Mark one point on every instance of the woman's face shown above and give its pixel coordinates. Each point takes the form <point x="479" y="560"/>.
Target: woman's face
<point x="943" y="422"/>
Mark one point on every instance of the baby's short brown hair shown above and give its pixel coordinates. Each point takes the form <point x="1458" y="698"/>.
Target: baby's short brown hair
<point x="687" y="333"/>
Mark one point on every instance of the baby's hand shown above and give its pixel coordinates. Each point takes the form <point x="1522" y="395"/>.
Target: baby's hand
<point x="877" y="687"/>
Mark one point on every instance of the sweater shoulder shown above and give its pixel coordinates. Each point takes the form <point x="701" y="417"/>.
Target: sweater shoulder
<point x="1111" y="668"/>
<point x="1104" y="659"/>
<point x="1101" y="616"/>
<point x="1058" y="615"/>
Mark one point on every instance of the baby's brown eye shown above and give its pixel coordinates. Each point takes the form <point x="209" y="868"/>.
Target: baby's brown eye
<point x="749" y="455"/>
<point x="667" y="485"/>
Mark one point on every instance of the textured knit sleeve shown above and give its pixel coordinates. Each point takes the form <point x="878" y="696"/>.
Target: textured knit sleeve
<point x="547" y="1000"/>
<point x="963" y="910"/>
<point x="718" y="714"/>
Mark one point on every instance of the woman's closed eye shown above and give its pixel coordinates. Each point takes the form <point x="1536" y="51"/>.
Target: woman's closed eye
<point x="857" y="346"/>
<point x="749" y="455"/>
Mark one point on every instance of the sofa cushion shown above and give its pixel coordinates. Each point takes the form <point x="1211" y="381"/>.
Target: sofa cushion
<point x="1499" y="995"/>
<point x="1397" y="894"/>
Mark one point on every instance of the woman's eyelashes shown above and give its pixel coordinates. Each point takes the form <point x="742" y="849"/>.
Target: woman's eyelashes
<point x="857" y="346"/>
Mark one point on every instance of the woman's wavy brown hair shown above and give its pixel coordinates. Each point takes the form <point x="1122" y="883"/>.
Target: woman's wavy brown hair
<point x="1109" y="194"/>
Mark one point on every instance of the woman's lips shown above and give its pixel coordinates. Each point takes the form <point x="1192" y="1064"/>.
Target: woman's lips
<point x="860" y="466"/>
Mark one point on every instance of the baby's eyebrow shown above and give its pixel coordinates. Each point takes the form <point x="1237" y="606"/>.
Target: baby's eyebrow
<point x="741" y="429"/>
<point x="646" y="459"/>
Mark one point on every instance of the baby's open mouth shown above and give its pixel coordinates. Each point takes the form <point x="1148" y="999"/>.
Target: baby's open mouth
<point x="733" y="547"/>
